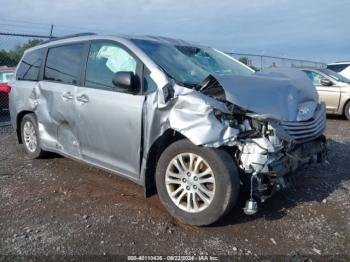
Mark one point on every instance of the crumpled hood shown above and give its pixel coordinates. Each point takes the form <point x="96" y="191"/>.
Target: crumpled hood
<point x="276" y="93"/>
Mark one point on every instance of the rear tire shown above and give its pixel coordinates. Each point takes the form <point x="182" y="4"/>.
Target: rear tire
<point x="197" y="185"/>
<point x="30" y="137"/>
<point x="347" y="110"/>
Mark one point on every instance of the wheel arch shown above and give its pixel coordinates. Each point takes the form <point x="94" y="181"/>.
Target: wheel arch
<point x="157" y="148"/>
<point x="344" y="105"/>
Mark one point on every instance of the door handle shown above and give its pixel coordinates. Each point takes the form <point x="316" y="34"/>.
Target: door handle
<point x="83" y="98"/>
<point x="67" y="95"/>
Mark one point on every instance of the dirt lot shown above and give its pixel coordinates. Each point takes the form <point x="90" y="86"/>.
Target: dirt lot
<point x="58" y="206"/>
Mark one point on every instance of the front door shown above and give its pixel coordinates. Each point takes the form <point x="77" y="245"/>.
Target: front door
<point x="110" y="118"/>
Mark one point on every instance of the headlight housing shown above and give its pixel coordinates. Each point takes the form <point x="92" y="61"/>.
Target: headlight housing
<point x="306" y="110"/>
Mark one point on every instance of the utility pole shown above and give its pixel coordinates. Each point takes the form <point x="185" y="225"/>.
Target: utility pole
<point x="51" y="31"/>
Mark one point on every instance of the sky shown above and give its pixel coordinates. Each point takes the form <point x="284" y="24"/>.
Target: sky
<point x="310" y="29"/>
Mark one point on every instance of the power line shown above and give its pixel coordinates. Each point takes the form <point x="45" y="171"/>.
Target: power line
<point x="21" y="23"/>
<point x="25" y="35"/>
<point x="15" y="25"/>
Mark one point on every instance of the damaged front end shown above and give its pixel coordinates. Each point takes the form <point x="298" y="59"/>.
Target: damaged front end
<point x="270" y="136"/>
<point x="266" y="161"/>
<point x="267" y="150"/>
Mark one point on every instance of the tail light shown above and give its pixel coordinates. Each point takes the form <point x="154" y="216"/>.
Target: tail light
<point x="5" y="88"/>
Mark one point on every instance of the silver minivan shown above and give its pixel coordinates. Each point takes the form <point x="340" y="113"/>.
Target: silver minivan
<point x="181" y="119"/>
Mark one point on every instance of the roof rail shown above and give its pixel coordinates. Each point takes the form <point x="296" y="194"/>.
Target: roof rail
<point x="66" y="37"/>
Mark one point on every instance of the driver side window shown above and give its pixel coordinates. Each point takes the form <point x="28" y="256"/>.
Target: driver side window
<point x="104" y="60"/>
<point x="314" y="77"/>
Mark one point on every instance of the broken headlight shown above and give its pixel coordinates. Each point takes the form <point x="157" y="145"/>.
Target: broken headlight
<point x="306" y="110"/>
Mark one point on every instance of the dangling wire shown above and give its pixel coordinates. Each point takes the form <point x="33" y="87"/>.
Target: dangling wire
<point x="254" y="174"/>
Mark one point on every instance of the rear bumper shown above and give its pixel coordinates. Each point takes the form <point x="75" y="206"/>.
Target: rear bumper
<point x="280" y="170"/>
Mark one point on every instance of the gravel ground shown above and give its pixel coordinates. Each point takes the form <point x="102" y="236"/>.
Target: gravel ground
<point x="57" y="206"/>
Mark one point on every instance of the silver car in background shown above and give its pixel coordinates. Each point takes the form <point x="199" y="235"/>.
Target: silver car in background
<point x="333" y="89"/>
<point x="179" y="118"/>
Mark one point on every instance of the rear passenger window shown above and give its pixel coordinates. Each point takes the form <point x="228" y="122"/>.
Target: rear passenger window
<point x="29" y="67"/>
<point x="63" y="64"/>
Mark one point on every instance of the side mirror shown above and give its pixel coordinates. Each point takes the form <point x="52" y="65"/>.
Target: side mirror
<point x="326" y="82"/>
<point x="124" y="80"/>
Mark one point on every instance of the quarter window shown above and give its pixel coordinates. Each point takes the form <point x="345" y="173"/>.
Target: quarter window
<point x="105" y="59"/>
<point x="63" y="64"/>
<point x="29" y="67"/>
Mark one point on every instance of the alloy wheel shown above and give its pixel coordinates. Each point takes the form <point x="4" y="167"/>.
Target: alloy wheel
<point x="30" y="136"/>
<point x="190" y="182"/>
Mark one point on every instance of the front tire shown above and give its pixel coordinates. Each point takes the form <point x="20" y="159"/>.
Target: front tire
<point x="30" y="137"/>
<point x="197" y="185"/>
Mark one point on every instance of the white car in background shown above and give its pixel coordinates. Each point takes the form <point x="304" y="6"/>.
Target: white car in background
<point x="342" y="68"/>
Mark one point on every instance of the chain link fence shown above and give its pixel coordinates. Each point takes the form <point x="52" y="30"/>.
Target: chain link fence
<point x="260" y="62"/>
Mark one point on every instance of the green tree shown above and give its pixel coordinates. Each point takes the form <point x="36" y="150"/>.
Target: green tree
<point x="5" y="59"/>
<point x="244" y="60"/>
<point x="12" y="57"/>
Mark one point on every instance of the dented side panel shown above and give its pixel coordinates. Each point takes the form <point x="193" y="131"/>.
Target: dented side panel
<point x="190" y="113"/>
<point x="57" y="116"/>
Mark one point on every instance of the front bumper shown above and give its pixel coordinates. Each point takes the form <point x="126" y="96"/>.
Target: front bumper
<point x="300" y="155"/>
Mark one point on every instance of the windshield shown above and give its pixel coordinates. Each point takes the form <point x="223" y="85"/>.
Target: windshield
<point x="190" y="65"/>
<point x="335" y="75"/>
